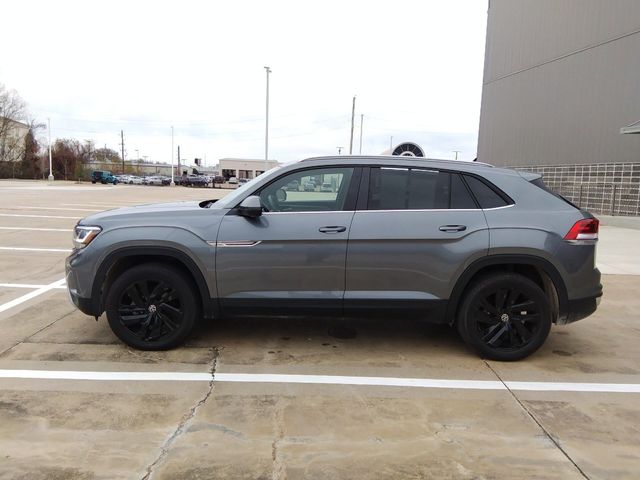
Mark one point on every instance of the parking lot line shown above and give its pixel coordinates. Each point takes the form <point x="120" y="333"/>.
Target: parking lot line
<point x="38" y="229"/>
<point x="23" y="207"/>
<point x="35" y="216"/>
<point x="29" y="249"/>
<point x="322" y="379"/>
<point x="44" y="289"/>
<point x="27" y="285"/>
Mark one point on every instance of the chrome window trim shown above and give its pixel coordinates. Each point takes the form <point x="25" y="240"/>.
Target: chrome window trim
<point x="396" y="210"/>
<point x="310" y="211"/>
<point x="438" y="209"/>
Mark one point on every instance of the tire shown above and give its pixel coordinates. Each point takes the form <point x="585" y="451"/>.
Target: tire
<point x="93" y="181"/>
<point x="504" y="317"/>
<point x="115" y="182"/>
<point x="152" y="307"/>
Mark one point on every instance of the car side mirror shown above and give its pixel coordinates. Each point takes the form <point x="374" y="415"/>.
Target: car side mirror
<point x="250" y="207"/>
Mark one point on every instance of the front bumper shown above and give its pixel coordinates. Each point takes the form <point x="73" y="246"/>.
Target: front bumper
<point x="85" y="305"/>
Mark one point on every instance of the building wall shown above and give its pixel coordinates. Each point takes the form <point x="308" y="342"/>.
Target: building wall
<point x="244" y="168"/>
<point x="561" y="78"/>
<point x="12" y="140"/>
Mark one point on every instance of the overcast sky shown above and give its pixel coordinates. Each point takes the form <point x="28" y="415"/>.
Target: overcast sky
<point x="97" y="67"/>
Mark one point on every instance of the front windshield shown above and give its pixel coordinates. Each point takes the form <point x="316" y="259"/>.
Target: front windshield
<point x="230" y="200"/>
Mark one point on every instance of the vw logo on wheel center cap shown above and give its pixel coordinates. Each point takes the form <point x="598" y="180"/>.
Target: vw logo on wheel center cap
<point x="152" y="309"/>
<point x="504" y="317"/>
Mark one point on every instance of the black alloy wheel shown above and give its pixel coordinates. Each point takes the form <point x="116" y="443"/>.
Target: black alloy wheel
<point x="152" y="307"/>
<point x="505" y="317"/>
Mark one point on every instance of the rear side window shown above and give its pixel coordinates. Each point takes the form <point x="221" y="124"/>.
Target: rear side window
<point x="460" y="196"/>
<point x="538" y="182"/>
<point x="486" y="196"/>
<point x="408" y="189"/>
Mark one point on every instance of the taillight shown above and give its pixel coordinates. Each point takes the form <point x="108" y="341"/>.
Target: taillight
<point x="585" y="229"/>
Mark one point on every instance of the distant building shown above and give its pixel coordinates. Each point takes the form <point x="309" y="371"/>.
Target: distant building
<point x="561" y="96"/>
<point x="244" y="168"/>
<point x="13" y="137"/>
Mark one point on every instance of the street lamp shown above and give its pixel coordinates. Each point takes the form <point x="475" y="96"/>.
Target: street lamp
<point x="266" y="128"/>
<point x="50" y="169"/>
<point x="173" y="184"/>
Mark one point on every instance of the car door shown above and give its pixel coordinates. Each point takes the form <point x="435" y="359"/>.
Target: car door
<point x="414" y="232"/>
<point x="291" y="259"/>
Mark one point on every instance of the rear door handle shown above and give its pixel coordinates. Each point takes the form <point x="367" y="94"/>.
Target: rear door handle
<point x="453" y="228"/>
<point x="332" y="229"/>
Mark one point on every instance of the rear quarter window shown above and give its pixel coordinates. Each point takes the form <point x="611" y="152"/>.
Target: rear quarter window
<point x="486" y="196"/>
<point x="538" y="182"/>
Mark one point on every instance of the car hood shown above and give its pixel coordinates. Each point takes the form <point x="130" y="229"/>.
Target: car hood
<point x="150" y="213"/>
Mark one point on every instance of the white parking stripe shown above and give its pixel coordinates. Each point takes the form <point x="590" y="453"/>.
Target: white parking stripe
<point x="93" y="204"/>
<point x="13" y="303"/>
<point x="35" y="216"/>
<point x="323" y="380"/>
<point x="78" y="375"/>
<point x="28" y="249"/>
<point x="26" y="285"/>
<point x="38" y="229"/>
<point x="575" y="387"/>
<point x="21" y="207"/>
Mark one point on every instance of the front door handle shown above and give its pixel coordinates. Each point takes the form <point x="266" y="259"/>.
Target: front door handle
<point x="332" y="229"/>
<point x="453" y="228"/>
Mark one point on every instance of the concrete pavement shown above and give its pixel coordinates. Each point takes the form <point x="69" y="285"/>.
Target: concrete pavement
<point x="214" y="429"/>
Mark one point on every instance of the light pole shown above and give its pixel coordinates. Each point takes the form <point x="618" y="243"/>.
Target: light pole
<point x="173" y="184"/>
<point x="49" y="129"/>
<point x="361" y="121"/>
<point x="339" y="150"/>
<point x="266" y="128"/>
<point x="457" y="152"/>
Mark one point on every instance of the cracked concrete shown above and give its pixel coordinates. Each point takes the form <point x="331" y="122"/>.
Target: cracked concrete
<point x="190" y="430"/>
<point x="279" y="471"/>
<point x="185" y="422"/>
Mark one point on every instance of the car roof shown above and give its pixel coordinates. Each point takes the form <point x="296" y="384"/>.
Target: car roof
<point x="399" y="160"/>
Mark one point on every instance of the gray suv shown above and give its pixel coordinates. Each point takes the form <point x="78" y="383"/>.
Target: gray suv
<point x="490" y="251"/>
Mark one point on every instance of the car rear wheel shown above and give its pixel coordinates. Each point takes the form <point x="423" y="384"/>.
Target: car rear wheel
<point x="152" y="307"/>
<point x="504" y="317"/>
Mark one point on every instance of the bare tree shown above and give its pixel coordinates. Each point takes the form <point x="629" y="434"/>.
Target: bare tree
<point x="13" y="130"/>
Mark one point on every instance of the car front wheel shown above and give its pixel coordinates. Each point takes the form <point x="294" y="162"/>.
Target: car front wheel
<point x="504" y="317"/>
<point x="152" y="307"/>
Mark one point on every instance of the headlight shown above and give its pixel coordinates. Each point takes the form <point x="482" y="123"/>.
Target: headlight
<point x="83" y="235"/>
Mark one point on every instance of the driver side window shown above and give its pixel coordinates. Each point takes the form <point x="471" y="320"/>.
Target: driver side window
<point x="311" y="190"/>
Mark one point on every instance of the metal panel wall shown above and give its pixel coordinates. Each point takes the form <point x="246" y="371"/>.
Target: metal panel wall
<point x="561" y="79"/>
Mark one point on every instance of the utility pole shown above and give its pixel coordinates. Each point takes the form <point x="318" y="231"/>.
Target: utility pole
<point x="122" y="146"/>
<point x="173" y="183"/>
<point x="457" y="152"/>
<point x="179" y="172"/>
<point x="50" y="169"/>
<point x="361" y="121"/>
<point x="353" y="112"/>
<point x="266" y="128"/>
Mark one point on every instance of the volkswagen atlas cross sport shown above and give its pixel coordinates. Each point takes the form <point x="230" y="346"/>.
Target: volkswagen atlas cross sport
<point x="490" y="251"/>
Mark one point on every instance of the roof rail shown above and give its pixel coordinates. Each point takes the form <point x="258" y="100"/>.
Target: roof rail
<point x="397" y="158"/>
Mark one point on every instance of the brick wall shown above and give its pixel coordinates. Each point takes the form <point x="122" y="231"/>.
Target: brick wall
<point x="606" y="188"/>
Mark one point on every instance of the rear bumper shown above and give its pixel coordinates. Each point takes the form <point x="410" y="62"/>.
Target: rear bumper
<point x="582" y="307"/>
